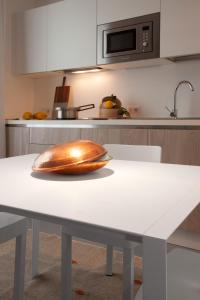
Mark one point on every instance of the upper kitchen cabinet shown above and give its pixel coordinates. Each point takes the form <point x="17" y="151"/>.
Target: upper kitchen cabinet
<point x="71" y="35"/>
<point x="30" y="41"/>
<point x="180" y="23"/>
<point x="116" y="10"/>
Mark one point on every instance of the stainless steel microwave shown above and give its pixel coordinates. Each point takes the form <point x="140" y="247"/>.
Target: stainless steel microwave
<point x="127" y="40"/>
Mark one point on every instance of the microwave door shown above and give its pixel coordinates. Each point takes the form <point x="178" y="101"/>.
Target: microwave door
<point x="120" y="42"/>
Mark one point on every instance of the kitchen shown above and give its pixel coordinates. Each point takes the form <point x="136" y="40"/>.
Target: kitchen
<point x="144" y="88"/>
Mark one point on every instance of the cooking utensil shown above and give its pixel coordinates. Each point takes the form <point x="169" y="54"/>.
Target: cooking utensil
<point x="71" y="113"/>
<point x="62" y="93"/>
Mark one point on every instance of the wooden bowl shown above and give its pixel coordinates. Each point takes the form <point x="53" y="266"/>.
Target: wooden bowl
<point x="77" y="157"/>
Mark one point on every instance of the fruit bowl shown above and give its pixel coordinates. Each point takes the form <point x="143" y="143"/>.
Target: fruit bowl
<point x="76" y="157"/>
<point x="111" y="113"/>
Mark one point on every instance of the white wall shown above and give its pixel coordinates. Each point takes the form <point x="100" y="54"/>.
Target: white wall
<point x="149" y="88"/>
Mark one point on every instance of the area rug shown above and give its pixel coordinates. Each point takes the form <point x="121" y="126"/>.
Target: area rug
<point x="89" y="280"/>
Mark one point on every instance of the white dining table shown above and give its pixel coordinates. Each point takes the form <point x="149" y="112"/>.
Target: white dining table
<point x="139" y="200"/>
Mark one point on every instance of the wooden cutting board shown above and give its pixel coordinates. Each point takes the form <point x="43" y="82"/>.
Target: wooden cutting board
<point x="62" y="93"/>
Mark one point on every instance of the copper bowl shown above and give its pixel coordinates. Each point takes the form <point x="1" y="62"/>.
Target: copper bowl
<point x="77" y="157"/>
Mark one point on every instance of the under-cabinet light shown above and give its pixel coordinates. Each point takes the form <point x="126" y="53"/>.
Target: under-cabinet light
<point x="87" y="71"/>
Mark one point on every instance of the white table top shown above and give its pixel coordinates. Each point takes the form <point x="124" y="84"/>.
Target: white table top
<point x="139" y="198"/>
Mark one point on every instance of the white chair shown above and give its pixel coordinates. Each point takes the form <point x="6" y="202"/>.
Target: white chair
<point x="125" y="152"/>
<point x="13" y="226"/>
<point x="134" y="152"/>
<point x="130" y="152"/>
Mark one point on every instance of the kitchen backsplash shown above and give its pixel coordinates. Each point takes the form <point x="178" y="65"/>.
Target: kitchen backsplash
<point x="148" y="89"/>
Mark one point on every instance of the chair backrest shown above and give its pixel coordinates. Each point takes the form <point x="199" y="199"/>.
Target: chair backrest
<point x="134" y="152"/>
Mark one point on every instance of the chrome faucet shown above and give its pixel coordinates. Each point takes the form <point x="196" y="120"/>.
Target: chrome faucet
<point x="174" y="112"/>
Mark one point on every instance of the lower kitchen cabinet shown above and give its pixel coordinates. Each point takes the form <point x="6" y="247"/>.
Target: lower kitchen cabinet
<point x="178" y="146"/>
<point x="50" y="136"/>
<point x="22" y="140"/>
<point x="17" y="141"/>
<point x="192" y="222"/>
<point x="116" y="136"/>
<point x="37" y="148"/>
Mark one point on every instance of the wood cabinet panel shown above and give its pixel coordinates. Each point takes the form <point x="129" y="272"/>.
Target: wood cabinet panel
<point x="116" y="136"/>
<point x="17" y="140"/>
<point x="50" y="136"/>
<point x="37" y="148"/>
<point x="133" y="136"/>
<point x="178" y="146"/>
<point x="100" y="135"/>
<point x="192" y="223"/>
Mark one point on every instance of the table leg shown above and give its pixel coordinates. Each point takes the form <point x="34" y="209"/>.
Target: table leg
<point x="128" y="274"/>
<point x="35" y="246"/>
<point x="109" y="260"/>
<point x="66" y="267"/>
<point x="154" y="269"/>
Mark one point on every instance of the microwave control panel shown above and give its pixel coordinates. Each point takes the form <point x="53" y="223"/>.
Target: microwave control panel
<point x="146" y="35"/>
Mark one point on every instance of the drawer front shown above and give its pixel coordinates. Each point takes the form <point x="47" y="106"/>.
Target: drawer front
<point x="37" y="148"/>
<point x="116" y="136"/>
<point x="17" y="139"/>
<point x="52" y="136"/>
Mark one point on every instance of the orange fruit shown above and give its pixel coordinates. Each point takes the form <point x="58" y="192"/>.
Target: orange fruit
<point x="108" y="104"/>
<point x="27" y="115"/>
<point x="40" y="115"/>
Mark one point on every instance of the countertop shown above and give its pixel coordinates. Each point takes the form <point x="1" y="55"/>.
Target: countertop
<point x="125" y="123"/>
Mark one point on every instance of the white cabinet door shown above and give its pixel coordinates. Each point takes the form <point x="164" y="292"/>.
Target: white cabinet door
<point x="180" y="23"/>
<point x="71" y="34"/>
<point x="30" y="53"/>
<point x="115" y="10"/>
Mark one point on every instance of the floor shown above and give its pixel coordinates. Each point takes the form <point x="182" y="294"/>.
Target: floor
<point x="89" y="281"/>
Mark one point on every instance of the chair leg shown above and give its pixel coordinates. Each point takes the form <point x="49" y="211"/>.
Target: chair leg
<point x="109" y="260"/>
<point x="128" y="274"/>
<point x="20" y="254"/>
<point x="66" y="267"/>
